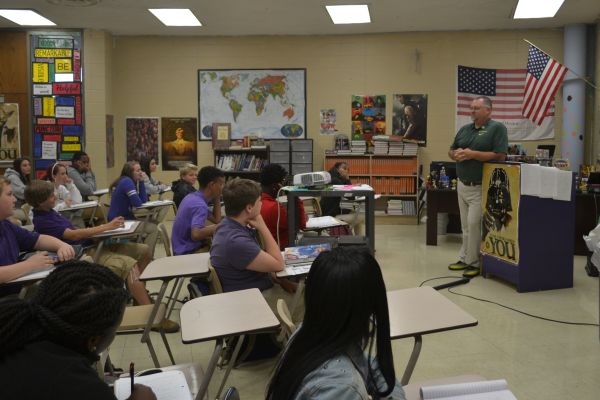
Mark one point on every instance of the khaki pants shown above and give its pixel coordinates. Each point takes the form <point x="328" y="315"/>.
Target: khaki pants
<point x="469" y="203"/>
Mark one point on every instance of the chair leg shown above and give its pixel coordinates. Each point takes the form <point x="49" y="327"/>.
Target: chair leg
<point x="164" y="237"/>
<point x="166" y="342"/>
<point x="152" y="352"/>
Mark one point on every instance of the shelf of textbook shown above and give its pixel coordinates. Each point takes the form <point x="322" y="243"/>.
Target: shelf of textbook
<point x="244" y="162"/>
<point x="395" y="178"/>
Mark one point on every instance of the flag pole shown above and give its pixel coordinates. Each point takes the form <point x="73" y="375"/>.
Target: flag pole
<point x="570" y="70"/>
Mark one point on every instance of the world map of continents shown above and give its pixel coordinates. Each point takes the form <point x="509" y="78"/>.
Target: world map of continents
<point x="265" y="103"/>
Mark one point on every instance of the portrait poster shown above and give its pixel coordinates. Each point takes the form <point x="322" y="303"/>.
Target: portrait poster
<point x="110" y="141"/>
<point x="266" y="103"/>
<point x="409" y="117"/>
<point x="10" y="136"/>
<point x="368" y="116"/>
<point x="141" y="137"/>
<point x="500" y="207"/>
<point x="178" y="143"/>
<point x="328" y="122"/>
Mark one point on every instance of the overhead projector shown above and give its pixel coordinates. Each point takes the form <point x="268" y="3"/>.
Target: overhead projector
<point x="312" y="179"/>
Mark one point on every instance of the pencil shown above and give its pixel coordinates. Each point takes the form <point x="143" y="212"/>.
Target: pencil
<point x="131" y="375"/>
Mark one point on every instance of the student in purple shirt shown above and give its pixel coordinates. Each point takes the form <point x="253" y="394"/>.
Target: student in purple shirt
<point x="128" y="192"/>
<point x="14" y="239"/>
<point x="235" y="253"/>
<point x="190" y="232"/>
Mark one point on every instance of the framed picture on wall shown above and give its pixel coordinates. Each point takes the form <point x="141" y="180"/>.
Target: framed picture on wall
<point x="221" y="135"/>
<point x="266" y="103"/>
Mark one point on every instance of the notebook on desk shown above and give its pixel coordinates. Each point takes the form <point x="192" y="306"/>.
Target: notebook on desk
<point x="169" y="385"/>
<point x="483" y="390"/>
<point x="304" y="254"/>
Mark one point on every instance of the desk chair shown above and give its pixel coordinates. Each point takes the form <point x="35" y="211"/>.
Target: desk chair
<point x="312" y="206"/>
<point x="26" y="208"/>
<point x="138" y="319"/>
<point x="231" y="394"/>
<point x="287" y="325"/>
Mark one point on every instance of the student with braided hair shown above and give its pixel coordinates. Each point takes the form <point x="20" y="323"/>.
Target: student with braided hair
<point x="49" y="342"/>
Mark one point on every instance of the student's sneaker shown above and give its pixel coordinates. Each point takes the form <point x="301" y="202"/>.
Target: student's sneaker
<point x="471" y="272"/>
<point x="457" y="266"/>
<point x="168" y="326"/>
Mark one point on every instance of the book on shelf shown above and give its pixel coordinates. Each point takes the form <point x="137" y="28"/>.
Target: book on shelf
<point x="483" y="390"/>
<point x="304" y="254"/>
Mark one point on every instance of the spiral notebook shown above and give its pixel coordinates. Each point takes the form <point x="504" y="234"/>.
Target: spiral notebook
<point x="170" y="385"/>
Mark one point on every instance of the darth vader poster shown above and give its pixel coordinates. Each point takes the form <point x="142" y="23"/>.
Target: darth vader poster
<point x="500" y="208"/>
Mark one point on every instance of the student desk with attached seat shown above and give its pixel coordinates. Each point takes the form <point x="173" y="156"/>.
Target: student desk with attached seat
<point x="222" y="315"/>
<point x="420" y="311"/>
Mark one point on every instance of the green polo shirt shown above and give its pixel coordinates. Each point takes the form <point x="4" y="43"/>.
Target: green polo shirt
<point x="491" y="136"/>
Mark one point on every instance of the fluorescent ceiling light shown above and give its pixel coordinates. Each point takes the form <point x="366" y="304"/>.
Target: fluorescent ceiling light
<point x="175" y="16"/>
<point x="25" y="17"/>
<point x="351" y="14"/>
<point x="537" y="8"/>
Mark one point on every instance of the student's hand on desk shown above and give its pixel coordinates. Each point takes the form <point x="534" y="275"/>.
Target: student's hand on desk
<point x="65" y="252"/>
<point x="41" y="259"/>
<point x="141" y="392"/>
<point x="117" y="222"/>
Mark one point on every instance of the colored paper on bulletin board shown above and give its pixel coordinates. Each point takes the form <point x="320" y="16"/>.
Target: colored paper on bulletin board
<point x="368" y="116"/>
<point x="71" y="138"/>
<point x="55" y="43"/>
<point x="48" y="107"/>
<point x="53" y="53"/>
<point x="70" y="147"/>
<point x="40" y="72"/>
<point x="65" y="112"/>
<point x="500" y="205"/>
<point x="63" y="65"/>
<point x="49" y="150"/>
<point x="42" y="89"/>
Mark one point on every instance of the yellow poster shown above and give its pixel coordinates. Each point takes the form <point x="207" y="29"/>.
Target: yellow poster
<point x="40" y="72"/>
<point x="53" y="53"/>
<point x="71" y="147"/>
<point x="63" y="65"/>
<point x="500" y="208"/>
<point x="48" y="107"/>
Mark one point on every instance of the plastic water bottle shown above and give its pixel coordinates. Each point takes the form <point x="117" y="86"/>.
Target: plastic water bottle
<point x="444" y="179"/>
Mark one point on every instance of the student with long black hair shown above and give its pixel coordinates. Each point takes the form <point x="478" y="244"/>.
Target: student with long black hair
<point x="342" y="350"/>
<point x="49" y="343"/>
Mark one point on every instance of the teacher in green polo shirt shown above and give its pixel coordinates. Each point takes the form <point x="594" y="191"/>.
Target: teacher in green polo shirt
<point x="483" y="140"/>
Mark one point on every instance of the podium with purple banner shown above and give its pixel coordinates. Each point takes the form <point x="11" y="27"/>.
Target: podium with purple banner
<point x="527" y="239"/>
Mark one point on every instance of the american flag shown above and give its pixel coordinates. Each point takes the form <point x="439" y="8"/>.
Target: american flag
<point x="544" y="76"/>
<point x="503" y="86"/>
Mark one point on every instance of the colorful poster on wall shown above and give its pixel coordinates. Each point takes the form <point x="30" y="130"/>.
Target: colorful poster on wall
<point x="110" y="141"/>
<point x="9" y="133"/>
<point x="328" y="122"/>
<point x="409" y="118"/>
<point x="500" y="207"/>
<point x="57" y="103"/>
<point x="368" y="116"/>
<point x="178" y="142"/>
<point x="142" y="137"/>
<point x="266" y="103"/>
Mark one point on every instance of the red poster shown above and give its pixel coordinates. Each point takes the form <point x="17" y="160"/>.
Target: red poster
<point x="66" y="88"/>
<point x="52" y="138"/>
<point x="78" y="110"/>
<point x="64" y="121"/>
<point x="46" y="121"/>
<point x="48" y="129"/>
<point x="76" y="66"/>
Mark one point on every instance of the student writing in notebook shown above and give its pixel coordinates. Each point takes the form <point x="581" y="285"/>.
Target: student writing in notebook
<point x="342" y="350"/>
<point x="48" y="343"/>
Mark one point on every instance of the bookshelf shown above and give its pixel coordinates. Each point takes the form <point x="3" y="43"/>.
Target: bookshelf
<point x="245" y="163"/>
<point x="395" y="178"/>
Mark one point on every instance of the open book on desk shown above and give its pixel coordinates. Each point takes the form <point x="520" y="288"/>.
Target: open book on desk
<point x="169" y="385"/>
<point x="128" y="227"/>
<point x="483" y="390"/>
<point x="323" y="222"/>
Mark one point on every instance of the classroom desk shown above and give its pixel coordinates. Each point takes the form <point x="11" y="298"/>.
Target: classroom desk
<point x="420" y="311"/>
<point x="357" y="190"/>
<point x="219" y="316"/>
<point x="439" y="201"/>
<point x="93" y="205"/>
<point x="130" y="229"/>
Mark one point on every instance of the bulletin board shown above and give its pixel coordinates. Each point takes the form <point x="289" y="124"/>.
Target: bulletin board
<point x="57" y="97"/>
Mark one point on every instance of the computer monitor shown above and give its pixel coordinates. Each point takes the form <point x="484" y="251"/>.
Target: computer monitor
<point x="449" y="166"/>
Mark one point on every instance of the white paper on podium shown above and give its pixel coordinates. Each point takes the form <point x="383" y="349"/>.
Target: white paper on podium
<point x="563" y="186"/>
<point x="548" y="182"/>
<point x="531" y="178"/>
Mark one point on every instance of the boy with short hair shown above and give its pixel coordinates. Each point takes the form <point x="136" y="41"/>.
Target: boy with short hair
<point x="190" y="232"/>
<point x="235" y="253"/>
<point x="119" y="257"/>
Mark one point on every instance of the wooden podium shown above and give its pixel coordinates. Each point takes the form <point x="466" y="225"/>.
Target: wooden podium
<point x="526" y="240"/>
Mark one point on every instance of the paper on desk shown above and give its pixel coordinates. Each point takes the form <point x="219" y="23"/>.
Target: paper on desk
<point x="320" y="222"/>
<point x="363" y="186"/>
<point x="156" y="203"/>
<point x="165" y="385"/>
<point x="100" y="192"/>
<point x="563" y="185"/>
<point x="126" y="227"/>
<point x="531" y="178"/>
<point x="85" y="204"/>
<point x="296" y="269"/>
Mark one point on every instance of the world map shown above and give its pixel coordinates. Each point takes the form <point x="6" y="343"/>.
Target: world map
<point x="266" y="103"/>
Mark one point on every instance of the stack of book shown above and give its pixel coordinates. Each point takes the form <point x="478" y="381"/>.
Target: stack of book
<point x="240" y="162"/>
<point x="396" y="148"/>
<point x="401" y="207"/>
<point x="381" y="144"/>
<point x="358" y="147"/>
<point x="410" y="149"/>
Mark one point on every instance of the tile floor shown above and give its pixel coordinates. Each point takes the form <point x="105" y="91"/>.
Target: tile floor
<point x="539" y="359"/>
